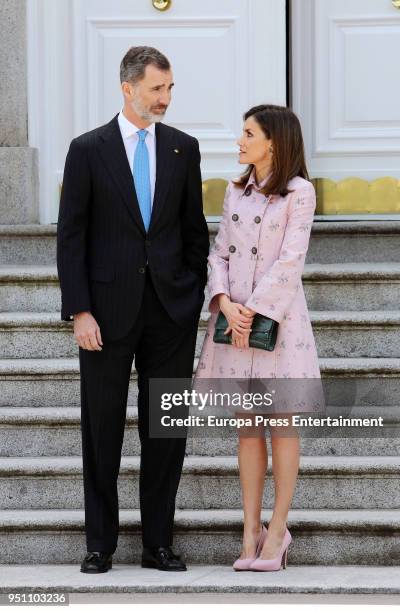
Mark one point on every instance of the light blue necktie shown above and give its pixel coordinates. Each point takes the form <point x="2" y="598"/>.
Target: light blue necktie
<point x="141" y="177"/>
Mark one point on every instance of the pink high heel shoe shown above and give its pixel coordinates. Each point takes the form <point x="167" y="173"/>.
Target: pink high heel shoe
<point x="268" y="565"/>
<point x="244" y="564"/>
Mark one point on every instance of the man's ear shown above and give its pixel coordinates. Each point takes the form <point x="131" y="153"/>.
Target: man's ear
<point x="127" y="88"/>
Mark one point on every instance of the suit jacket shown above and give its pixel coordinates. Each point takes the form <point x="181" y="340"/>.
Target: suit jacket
<point x="102" y="244"/>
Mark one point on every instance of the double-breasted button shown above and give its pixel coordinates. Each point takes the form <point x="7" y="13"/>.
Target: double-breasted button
<point x="257" y="219"/>
<point x="247" y="191"/>
<point x="254" y="250"/>
<point x="232" y="249"/>
<point x="235" y="217"/>
<point x="141" y="270"/>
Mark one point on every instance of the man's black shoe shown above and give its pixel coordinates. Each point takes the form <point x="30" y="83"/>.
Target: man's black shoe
<point x="96" y="562"/>
<point x="162" y="558"/>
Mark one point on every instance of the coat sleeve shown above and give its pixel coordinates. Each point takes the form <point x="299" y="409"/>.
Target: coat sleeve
<point x="218" y="259"/>
<point x="196" y="242"/>
<point x="71" y="232"/>
<point x="277" y="288"/>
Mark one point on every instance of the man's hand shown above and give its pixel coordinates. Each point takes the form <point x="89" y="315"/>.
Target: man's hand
<point x="87" y="332"/>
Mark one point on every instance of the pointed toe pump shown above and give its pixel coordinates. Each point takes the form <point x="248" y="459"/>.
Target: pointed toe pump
<point x="270" y="565"/>
<point x="244" y="564"/>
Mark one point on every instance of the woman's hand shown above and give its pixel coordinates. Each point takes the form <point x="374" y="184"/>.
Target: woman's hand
<point x="239" y="318"/>
<point x="240" y="340"/>
<point x="250" y="312"/>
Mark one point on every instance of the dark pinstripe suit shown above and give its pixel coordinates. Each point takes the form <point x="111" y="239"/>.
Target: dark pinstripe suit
<point x="146" y="312"/>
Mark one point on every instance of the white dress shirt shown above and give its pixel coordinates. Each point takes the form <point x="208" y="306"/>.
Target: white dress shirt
<point x="130" y="138"/>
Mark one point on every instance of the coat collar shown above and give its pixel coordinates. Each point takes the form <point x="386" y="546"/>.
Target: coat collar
<point x="113" y="154"/>
<point x="252" y="183"/>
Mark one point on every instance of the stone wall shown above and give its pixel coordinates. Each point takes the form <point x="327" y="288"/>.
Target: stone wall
<point x="19" y="194"/>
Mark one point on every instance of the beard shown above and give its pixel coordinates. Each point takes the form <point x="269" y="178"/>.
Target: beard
<point x="145" y="113"/>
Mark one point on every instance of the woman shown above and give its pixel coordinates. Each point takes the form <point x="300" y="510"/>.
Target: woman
<point x="256" y="265"/>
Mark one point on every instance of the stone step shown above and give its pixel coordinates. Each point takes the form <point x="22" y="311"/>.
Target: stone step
<point x="34" y="335"/>
<point x="209" y="583"/>
<point x="344" y="286"/>
<point x="320" y="537"/>
<point x="354" y="241"/>
<point x="352" y="286"/>
<point x="331" y="242"/>
<point x="45" y="382"/>
<point x="56" y="431"/>
<point x="30" y="288"/>
<point x="28" y="244"/>
<point x="361" y="333"/>
<point x="206" y="483"/>
<point x="56" y="382"/>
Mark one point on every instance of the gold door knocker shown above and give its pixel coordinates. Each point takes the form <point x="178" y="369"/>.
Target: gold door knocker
<point x="396" y="3"/>
<point x="162" y="5"/>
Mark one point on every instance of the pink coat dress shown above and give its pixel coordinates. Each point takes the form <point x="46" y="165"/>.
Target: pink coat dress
<point x="257" y="259"/>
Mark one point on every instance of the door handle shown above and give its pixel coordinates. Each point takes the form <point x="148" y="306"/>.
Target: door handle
<point x="162" y="5"/>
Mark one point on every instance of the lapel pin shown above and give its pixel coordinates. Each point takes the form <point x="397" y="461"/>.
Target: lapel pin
<point x="176" y="150"/>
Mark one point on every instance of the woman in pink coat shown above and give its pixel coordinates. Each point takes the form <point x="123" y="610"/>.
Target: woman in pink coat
<point x="256" y="265"/>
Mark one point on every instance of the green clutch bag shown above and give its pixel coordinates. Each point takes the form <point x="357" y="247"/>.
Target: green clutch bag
<point x="262" y="336"/>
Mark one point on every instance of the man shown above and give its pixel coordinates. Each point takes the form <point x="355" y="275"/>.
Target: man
<point x="132" y="249"/>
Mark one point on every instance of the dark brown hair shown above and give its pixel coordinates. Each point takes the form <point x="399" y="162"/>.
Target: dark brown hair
<point x="135" y="60"/>
<point x="282" y="126"/>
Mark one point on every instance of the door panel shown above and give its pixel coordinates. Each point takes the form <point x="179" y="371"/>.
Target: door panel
<point x="346" y="90"/>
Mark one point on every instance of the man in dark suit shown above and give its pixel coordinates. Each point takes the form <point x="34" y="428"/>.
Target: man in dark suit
<point x="132" y="247"/>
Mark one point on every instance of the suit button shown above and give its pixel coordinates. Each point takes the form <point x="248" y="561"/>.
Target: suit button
<point x="141" y="270"/>
<point x="232" y="249"/>
<point x="254" y="250"/>
<point x="235" y="217"/>
<point x="257" y="219"/>
<point x="247" y="191"/>
<point x="147" y="242"/>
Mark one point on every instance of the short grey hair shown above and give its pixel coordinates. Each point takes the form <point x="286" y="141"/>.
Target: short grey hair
<point x="135" y="60"/>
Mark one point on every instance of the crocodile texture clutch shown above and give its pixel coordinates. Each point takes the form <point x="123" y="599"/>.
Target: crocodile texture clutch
<point x="262" y="336"/>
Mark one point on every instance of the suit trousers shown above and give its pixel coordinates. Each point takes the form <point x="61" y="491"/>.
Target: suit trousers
<point x="161" y="349"/>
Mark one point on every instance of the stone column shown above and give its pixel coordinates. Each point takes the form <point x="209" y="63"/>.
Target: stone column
<point x="19" y="183"/>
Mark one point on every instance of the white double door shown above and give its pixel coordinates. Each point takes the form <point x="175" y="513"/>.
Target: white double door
<point x="226" y="55"/>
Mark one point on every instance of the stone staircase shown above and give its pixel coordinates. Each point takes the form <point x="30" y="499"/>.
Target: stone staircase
<point x="346" y="509"/>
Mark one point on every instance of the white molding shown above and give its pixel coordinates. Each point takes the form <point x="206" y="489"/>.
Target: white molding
<point x="42" y="39"/>
<point x="160" y="22"/>
<point x="270" y="68"/>
<point x="357" y="131"/>
<point x="79" y="68"/>
<point x="303" y="83"/>
<point x="349" y="136"/>
<point x="96" y="27"/>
